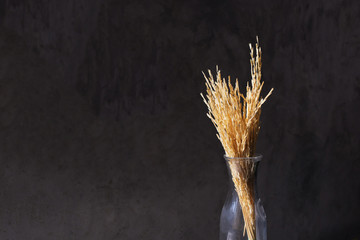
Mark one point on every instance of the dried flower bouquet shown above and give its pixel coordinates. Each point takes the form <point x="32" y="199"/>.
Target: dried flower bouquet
<point x="236" y="119"/>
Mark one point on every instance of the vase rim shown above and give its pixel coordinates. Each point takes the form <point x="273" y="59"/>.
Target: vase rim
<point x="256" y="158"/>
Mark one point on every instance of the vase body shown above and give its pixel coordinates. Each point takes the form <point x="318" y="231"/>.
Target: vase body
<point x="242" y="180"/>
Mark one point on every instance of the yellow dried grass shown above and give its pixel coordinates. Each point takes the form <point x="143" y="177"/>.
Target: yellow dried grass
<point x="237" y="121"/>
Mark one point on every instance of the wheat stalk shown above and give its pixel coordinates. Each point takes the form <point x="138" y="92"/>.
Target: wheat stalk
<point x="236" y="119"/>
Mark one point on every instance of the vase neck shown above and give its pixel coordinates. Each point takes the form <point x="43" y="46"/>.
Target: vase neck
<point x="246" y="168"/>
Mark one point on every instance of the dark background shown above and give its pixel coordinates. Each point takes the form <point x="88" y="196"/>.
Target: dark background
<point x="104" y="135"/>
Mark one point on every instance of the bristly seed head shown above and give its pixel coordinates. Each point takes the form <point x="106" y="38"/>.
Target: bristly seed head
<point x="235" y="117"/>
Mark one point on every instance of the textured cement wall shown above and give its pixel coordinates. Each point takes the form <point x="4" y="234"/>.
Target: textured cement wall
<point x="104" y="135"/>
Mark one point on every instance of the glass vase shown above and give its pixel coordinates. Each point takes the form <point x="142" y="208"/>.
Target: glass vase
<point x="242" y="183"/>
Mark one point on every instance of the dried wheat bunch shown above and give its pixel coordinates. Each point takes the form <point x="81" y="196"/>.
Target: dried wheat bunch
<point x="236" y="119"/>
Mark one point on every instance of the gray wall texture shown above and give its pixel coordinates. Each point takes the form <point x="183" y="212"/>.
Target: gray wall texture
<point x="104" y="135"/>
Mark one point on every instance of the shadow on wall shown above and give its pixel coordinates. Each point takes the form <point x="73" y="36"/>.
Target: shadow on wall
<point x="350" y="232"/>
<point x="2" y="11"/>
